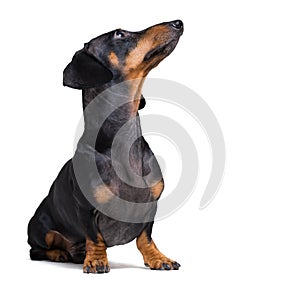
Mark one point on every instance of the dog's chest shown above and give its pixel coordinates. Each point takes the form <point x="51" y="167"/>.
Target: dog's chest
<point x="116" y="232"/>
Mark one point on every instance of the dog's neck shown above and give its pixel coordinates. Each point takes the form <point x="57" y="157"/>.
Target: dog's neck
<point x="108" y="109"/>
<point x="130" y="89"/>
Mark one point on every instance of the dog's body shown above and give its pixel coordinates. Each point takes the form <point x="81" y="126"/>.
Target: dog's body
<point x="70" y="224"/>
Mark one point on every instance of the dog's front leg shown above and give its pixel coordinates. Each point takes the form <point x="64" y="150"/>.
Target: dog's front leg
<point x="96" y="258"/>
<point x="153" y="258"/>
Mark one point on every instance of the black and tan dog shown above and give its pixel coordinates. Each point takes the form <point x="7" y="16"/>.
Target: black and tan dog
<point x="67" y="226"/>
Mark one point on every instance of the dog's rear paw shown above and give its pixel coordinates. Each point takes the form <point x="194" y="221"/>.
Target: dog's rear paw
<point x="58" y="255"/>
<point x="162" y="264"/>
<point x="96" y="266"/>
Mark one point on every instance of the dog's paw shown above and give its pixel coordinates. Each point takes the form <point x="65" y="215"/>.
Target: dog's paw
<point x="96" y="266"/>
<point x="58" y="255"/>
<point x="162" y="264"/>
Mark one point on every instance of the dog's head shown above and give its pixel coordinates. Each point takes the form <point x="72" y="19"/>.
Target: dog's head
<point x="121" y="55"/>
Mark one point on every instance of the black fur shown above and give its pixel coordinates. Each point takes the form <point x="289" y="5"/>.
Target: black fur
<point x="85" y="71"/>
<point x="66" y="210"/>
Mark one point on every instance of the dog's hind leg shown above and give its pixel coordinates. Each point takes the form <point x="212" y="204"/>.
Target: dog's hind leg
<point x="52" y="255"/>
<point x="57" y="248"/>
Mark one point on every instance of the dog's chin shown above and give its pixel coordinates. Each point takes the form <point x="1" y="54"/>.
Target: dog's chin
<point x="161" y="51"/>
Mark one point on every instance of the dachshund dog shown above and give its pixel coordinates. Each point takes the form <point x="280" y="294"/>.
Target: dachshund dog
<point x="82" y="215"/>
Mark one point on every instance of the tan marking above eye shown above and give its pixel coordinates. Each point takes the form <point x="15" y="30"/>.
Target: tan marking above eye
<point x="113" y="59"/>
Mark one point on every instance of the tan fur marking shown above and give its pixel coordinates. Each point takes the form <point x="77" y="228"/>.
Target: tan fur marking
<point x="56" y="240"/>
<point x="103" y="194"/>
<point x="96" y="258"/>
<point x="135" y="67"/>
<point x="49" y="239"/>
<point x="152" y="256"/>
<point x="136" y="92"/>
<point x="157" y="189"/>
<point x="57" y="255"/>
<point x="58" y="246"/>
<point x="113" y="59"/>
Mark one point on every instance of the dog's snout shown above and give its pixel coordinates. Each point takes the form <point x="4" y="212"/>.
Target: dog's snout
<point x="177" y="24"/>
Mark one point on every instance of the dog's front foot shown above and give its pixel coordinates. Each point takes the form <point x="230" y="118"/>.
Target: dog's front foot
<point x="162" y="264"/>
<point x="96" y="259"/>
<point x="153" y="258"/>
<point x="96" y="266"/>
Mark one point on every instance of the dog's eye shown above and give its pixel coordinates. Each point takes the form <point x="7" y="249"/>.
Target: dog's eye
<point x="119" y="34"/>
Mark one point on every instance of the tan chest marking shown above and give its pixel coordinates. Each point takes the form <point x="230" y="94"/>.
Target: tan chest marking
<point x="157" y="189"/>
<point x="103" y="193"/>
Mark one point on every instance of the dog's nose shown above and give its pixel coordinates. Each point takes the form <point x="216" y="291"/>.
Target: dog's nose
<point x="177" y="24"/>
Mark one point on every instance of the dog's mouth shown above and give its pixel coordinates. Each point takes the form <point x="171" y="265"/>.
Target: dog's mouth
<point x="162" y="50"/>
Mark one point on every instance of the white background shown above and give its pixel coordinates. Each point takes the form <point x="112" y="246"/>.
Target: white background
<point x="243" y="58"/>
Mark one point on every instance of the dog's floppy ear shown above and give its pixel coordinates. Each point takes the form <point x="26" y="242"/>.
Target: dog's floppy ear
<point x="85" y="71"/>
<point x="142" y="102"/>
